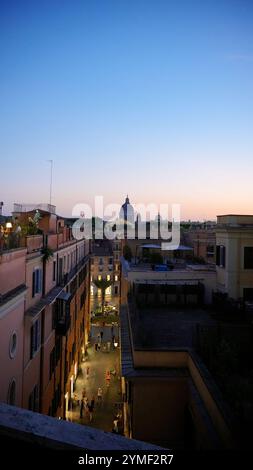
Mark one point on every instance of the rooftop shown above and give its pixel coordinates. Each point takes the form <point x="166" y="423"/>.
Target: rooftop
<point x="167" y="328"/>
<point x="234" y="220"/>
<point x="31" y="207"/>
<point x="102" y="248"/>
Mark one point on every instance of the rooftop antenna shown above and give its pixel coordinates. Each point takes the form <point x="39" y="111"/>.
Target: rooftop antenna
<point x="51" y="179"/>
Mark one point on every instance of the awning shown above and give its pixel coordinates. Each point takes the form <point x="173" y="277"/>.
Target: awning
<point x="64" y="296"/>
<point x="43" y="302"/>
<point x="149" y="245"/>
<point x="184" y="248"/>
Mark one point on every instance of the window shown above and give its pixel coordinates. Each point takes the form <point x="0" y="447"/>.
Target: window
<point x="82" y="299"/>
<point x="73" y="286"/>
<point x="248" y="257"/>
<point x="99" y="277"/>
<point x="116" y="256"/>
<point x="33" y="404"/>
<point x="248" y="294"/>
<point x="11" y="399"/>
<point x="13" y="345"/>
<point x="116" y="290"/>
<point x="101" y="261"/>
<point x="52" y="363"/>
<point x="54" y="270"/>
<point x="82" y="275"/>
<point x="116" y="278"/>
<point x="221" y="256"/>
<point x="37" y="282"/>
<point x="108" y="277"/>
<point x="100" y="269"/>
<point x="92" y="261"/>
<point x="116" y="267"/>
<point x="35" y="337"/>
<point x="110" y="260"/>
<point x="210" y="251"/>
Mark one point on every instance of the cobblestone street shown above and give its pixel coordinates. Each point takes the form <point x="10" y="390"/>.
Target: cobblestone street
<point x="97" y="364"/>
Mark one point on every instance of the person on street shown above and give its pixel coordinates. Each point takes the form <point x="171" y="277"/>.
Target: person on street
<point x="92" y="403"/>
<point x="115" y="428"/>
<point x="81" y="408"/>
<point x="100" y="395"/>
<point x="107" y="378"/>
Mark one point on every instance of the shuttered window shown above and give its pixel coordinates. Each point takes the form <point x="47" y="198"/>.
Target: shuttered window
<point x="35" y="337"/>
<point x="37" y="282"/>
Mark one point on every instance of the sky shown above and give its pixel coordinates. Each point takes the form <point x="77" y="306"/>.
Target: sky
<point x="152" y="98"/>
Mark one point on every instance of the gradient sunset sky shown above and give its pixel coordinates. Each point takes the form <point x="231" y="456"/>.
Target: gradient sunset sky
<point x="150" y="98"/>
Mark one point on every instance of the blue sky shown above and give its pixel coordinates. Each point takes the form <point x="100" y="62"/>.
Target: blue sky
<point x="150" y="98"/>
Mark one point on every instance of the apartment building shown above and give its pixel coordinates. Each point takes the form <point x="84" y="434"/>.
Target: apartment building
<point x="52" y="321"/>
<point x="234" y="256"/>
<point x="105" y="264"/>
<point x="12" y="307"/>
<point x="170" y="398"/>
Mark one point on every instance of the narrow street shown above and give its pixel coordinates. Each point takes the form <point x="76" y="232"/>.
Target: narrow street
<point x="93" y="375"/>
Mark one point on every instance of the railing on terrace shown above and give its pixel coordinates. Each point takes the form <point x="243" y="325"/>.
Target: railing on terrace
<point x="31" y="207"/>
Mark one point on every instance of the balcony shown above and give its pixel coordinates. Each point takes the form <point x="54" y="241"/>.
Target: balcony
<point x="62" y="313"/>
<point x="62" y="325"/>
<point x="67" y="277"/>
<point x="33" y="243"/>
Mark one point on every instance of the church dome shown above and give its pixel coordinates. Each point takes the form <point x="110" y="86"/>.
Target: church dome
<point x="127" y="211"/>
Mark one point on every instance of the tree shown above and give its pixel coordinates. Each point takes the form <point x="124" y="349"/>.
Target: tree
<point x="102" y="284"/>
<point x="127" y="253"/>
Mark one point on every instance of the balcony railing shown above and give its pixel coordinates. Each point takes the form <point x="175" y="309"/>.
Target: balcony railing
<point x="62" y="318"/>
<point x="67" y="277"/>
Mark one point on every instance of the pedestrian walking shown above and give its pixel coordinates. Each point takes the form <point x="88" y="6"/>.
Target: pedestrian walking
<point x="113" y="340"/>
<point x="107" y="378"/>
<point x="86" y="404"/>
<point x="90" y="413"/>
<point x="83" y="393"/>
<point x="115" y="428"/>
<point x="101" y="335"/>
<point x="87" y="372"/>
<point x="99" y="338"/>
<point x="81" y="408"/>
<point x="112" y="332"/>
<point x="92" y="403"/>
<point x="96" y="346"/>
<point x="100" y="395"/>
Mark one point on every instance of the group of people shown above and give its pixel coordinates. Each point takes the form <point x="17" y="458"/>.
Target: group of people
<point x="87" y="407"/>
<point x="99" y="343"/>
